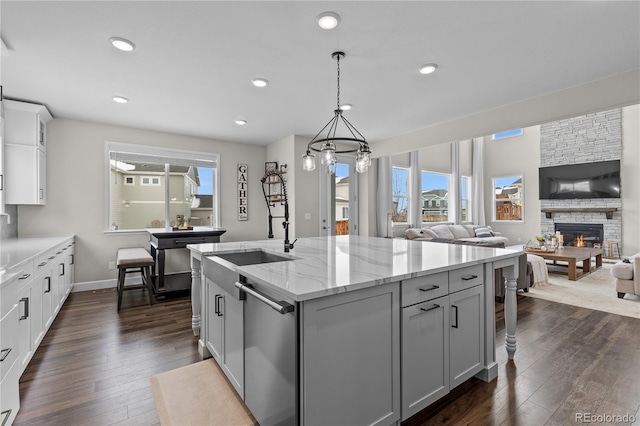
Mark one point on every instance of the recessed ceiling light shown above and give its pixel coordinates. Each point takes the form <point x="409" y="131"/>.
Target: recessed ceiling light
<point x="346" y="107"/>
<point x="328" y="20"/>
<point x="428" y="68"/>
<point x="259" y="82"/>
<point x="241" y="122"/>
<point x="122" y="44"/>
<point x="120" y="99"/>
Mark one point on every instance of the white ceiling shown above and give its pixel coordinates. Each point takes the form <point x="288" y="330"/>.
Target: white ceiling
<point x="190" y="73"/>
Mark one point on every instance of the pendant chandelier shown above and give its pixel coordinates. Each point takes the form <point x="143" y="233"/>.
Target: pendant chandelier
<point x="331" y="143"/>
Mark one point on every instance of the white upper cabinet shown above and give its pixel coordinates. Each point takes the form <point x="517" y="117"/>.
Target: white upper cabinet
<point x="26" y="123"/>
<point x="25" y="152"/>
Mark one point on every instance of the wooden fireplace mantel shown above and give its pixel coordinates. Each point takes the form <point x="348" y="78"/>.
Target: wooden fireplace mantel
<point x="608" y="211"/>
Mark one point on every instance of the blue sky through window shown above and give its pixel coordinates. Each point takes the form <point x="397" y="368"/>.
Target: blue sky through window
<point x="206" y="181"/>
<point x="508" y="181"/>
<point x="434" y="181"/>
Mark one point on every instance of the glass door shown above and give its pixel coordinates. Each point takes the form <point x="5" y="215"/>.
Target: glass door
<point x="338" y="202"/>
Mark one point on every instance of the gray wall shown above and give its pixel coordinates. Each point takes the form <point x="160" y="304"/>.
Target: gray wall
<point x="76" y="181"/>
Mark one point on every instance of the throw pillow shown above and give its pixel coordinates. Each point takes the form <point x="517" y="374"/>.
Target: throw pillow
<point x="412" y="233"/>
<point x="428" y="233"/>
<point x="442" y="231"/>
<point x="483" y="232"/>
<point x="459" y="231"/>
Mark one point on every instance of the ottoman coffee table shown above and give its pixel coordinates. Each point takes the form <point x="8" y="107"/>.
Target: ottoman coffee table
<point x="573" y="255"/>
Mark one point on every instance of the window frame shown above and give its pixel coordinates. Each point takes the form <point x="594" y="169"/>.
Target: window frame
<point x="511" y="133"/>
<point x="204" y="159"/>
<point x="495" y="200"/>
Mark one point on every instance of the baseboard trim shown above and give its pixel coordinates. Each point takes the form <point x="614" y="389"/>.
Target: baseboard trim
<point x="103" y="284"/>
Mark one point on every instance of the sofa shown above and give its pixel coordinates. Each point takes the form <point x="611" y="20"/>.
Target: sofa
<point x="477" y="236"/>
<point x="464" y="233"/>
<point x="627" y="275"/>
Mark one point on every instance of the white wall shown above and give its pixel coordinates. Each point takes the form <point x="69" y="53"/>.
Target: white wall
<point x="76" y="182"/>
<point x="630" y="180"/>
<point x="519" y="155"/>
<point x="616" y="91"/>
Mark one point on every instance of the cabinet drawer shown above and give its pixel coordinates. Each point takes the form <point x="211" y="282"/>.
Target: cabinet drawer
<point x="9" y="342"/>
<point x="421" y="289"/>
<point x="9" y="389"/>
<point x="468" y="277"/>
<point x="9" y="293"/>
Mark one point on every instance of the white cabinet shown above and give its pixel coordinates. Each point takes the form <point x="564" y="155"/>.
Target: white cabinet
<point x="351" y="358"/>
<point x="26" y="123"/>
<point x="9" y="348"/>
<point x="25" y="153"/>
<point x="26" y="175"/>
<point x="225" y="333"/>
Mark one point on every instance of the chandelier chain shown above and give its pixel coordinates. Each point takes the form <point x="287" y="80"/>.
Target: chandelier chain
<point x="338" y="58"/>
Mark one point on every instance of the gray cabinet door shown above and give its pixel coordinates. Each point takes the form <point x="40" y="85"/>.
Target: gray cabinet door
<point x="466" y="334"/>
<point x="425" y="354"/>
<point x="233" y="349"/>
<point x="215" y="304"/>
<point x="351" y="352"/>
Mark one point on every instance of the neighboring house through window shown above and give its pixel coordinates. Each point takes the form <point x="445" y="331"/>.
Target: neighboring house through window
<point x="435" y="197"/>
<point x="172" y="183"/>
<point x="465" y="199"/>
<point x="508" y="198"/>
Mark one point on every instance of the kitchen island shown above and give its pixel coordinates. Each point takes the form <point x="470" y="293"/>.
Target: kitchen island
<point x="349" y="329"/>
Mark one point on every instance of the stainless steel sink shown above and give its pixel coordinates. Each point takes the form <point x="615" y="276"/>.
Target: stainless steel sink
<point x="221" y="268"/>
<point x="252" y="257"/>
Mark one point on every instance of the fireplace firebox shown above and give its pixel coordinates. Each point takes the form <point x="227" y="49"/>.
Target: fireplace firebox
<point x="581" y="234"/>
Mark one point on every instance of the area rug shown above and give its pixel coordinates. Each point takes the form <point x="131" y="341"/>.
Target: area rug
<point x="595" y="291"/>
<point x="198" y="394"/>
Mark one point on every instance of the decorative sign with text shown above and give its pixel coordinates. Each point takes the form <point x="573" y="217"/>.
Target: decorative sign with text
<point x="243" y="198"/>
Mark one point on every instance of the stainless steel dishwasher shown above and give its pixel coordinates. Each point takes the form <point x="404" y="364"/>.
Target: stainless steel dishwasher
<point x="270" y="355"/>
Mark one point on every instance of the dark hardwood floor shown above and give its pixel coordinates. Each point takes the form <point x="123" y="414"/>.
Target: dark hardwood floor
<point x="94" y="365"/>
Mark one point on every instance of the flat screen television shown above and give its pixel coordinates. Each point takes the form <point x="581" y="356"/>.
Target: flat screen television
<point x="586" y="180"/>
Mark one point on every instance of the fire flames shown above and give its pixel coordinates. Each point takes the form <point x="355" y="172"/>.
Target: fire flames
<point x="580" y="241"/>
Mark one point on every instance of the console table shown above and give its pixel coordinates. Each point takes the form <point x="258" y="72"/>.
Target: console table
<point x="161" y="239"/>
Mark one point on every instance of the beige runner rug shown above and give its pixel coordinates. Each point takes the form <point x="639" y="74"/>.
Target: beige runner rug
<point x="198" y="394"/>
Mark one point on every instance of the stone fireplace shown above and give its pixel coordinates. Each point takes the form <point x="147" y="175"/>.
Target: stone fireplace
<point x="585" y="139"/>
<point x="581" y="234"/>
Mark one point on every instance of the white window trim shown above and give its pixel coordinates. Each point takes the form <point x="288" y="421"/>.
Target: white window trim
<point x="197" y="156"/>
<point x="495" y="200"/>
<point x="449" y="177"/>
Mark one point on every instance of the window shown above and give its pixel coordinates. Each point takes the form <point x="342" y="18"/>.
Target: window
<point x="345" y="213"/>
<point x="172" y="183"/>
<point x="149" y="181"/>
<point x="507" y="134"/>
<point x="465" y="199"/>
<point x="400" y="183"/>
<point x="435" y="197"/>
<point x="508" y="198"/>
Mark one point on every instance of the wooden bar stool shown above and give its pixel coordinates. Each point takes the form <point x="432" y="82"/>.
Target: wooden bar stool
<point x="135" y="259"/>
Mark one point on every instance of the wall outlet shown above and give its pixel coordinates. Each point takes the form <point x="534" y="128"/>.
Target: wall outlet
<point x="112" y="265"/>
<point x="307" y="216"/>
<point x="519" y="239"/>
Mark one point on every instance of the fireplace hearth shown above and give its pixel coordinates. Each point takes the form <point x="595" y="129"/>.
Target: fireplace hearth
<point x="581" y="234"/>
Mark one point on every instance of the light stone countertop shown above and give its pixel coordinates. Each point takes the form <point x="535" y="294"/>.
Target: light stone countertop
<point x="322" y="266"/>
<point x="17" y="251"/>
